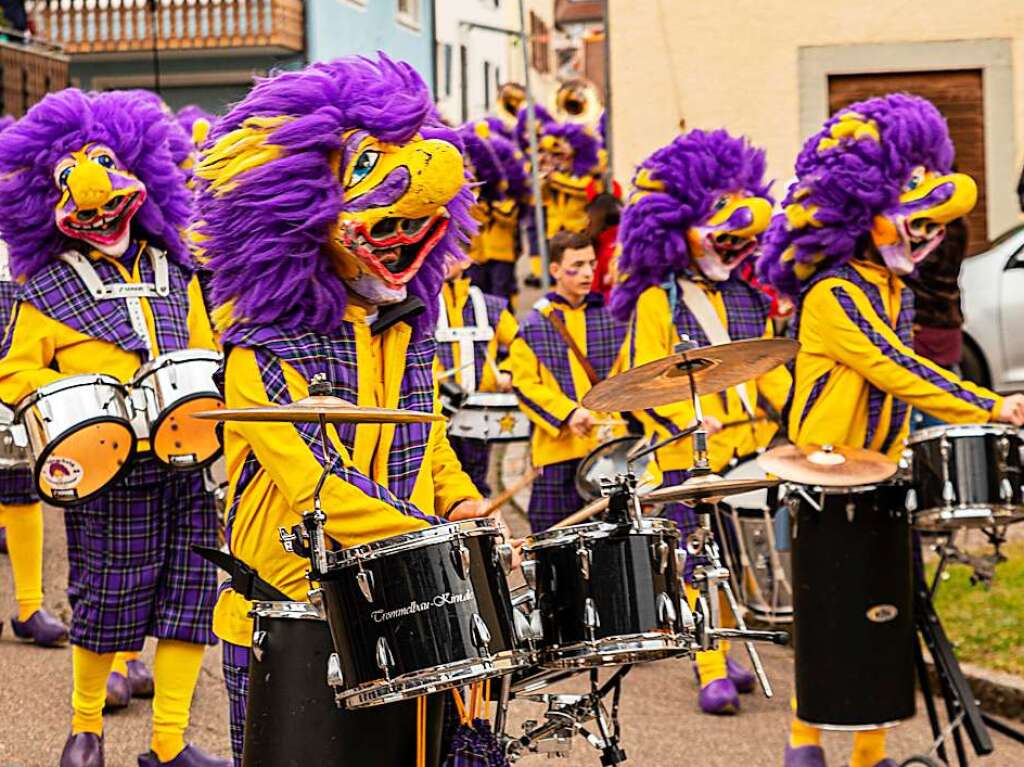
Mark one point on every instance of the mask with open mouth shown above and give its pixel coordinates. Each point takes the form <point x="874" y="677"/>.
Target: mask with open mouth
<point x="907" y="234"/>
<point x="728" y="236"/>
<point x="98" y="198"/>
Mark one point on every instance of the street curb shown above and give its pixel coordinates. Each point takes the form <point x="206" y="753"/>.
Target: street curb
<point x="997" y="692"/>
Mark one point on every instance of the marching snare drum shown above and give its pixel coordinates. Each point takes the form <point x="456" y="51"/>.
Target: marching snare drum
<point x="421" y="612"/>
<point x="490" y="416"/>
<point x="965" y="476"/>
<point x="14" y="452"/>
<point x="79" y="430"/>
<point x="608" y="593"/>
<point x="292" y="718"/>
<point x="171" y="387"/>
<point x="853" y="606"/>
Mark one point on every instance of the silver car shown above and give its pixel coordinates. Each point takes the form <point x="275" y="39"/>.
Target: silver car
<point x="992" y="291"/>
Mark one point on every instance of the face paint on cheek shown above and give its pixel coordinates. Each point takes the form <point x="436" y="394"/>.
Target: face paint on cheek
<point x="571" y="272"/>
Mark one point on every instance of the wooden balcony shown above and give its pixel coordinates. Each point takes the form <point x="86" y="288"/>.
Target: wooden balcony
<point x="28" y="71"/>
<point x="86" y="27"/>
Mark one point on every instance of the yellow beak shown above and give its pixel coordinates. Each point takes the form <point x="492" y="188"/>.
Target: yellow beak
<point x="760" y="215"/>
<point x="89" y="184"/>
<point x="960" y="202"/>
<point x="437" y="176"/>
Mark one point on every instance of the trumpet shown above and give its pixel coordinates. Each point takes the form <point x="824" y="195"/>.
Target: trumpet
<point x="577" y="101"/>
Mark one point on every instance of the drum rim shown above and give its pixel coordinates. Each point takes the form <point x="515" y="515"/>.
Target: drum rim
<point x="380" y="692"/>
<point x="366" y="552"/>
<point x="38" y="462"/>
<point x="288" y="610"/>
<point x="961" y="430"/>
<point x="595" y="653"/>
<point x="482" y="400"/>
<point x="179" y="355"/>
<point x="65" y="384"/>
<point x="154" y="427"/>
<point x="595" y="530"/>
<point x="840" y="489"/>
<point x="588" y="495"/>
<point x="925" y="519"/>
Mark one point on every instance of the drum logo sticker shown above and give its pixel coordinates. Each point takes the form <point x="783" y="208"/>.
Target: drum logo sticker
<point x="441" y="600"/>
<point x="62" y="474"/>
<point x="882" y="613"/>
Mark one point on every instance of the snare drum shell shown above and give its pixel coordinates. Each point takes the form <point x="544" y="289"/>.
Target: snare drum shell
<point x="853" y="609"/>
<point x="292" y="719"/>
<point x="490" y="416"/>
<point x="422" y="607"/>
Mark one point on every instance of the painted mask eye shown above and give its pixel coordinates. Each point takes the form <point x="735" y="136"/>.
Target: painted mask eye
<point x="720" y="203"/>
<point x="62" y="177"/>
<point x="105" y="160"/>
<point x="915" y="180"/>
<point x="363" y="166"/>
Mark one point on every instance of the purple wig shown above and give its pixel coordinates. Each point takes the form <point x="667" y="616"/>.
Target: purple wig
<point x="6" y="122"/>
<point x="134" y="128"/>
<point x="500" y="127"/>
<point x="497" y="164"/>
<point x="691" y="171"/>
<point x="542" y="116"/>
<point x="264" y="236"/>
<point x="180" y="140"/>
<point x="586" y="146"/>
<point x="844" y="179"/>
<point x="190" y="114"/>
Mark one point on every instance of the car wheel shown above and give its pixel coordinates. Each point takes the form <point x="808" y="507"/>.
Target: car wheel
<point x="972" y="364"/>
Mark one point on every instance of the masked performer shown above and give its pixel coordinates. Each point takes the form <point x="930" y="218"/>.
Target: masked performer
<point x="474" y="333"/>
<point x="93" y="193"/>
<point x="324" y="275"/>
<point x="872" y="195"/>
<point x="697" y="209"/>
<point x="566" y="344"/>
<point x="500" y="171"/>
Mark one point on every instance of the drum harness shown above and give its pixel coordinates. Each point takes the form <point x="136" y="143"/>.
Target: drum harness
<point x="466" y="337"/>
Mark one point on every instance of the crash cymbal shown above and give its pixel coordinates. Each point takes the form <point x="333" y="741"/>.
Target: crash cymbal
<point x="312" y="409"/>
<point x="709" y="488"/>
<point x="827" y="465"/>
<point x="714" y="369"/>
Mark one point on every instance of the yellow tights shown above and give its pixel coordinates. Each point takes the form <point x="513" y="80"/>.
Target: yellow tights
<point x="175" y="672"/>
<point x="121" y="662"/>
<point x="24" y="525"/>
<point x="868" y="747"/>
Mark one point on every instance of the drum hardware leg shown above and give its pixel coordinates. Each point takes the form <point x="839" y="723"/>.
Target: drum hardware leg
<point x="1002" y="727"/>
<point x="504" y="698"/>
<point x="939" y="744"/>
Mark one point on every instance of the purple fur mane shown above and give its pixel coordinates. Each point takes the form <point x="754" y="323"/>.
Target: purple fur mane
<point x="542" y="116"/>
<point x="266" y="239"/>
<point x="694" y="169"/>
<point x="190" y="114"/>
<point x="137" y="131"/>
<point x="497" y="164"/>
<point x="585" y="145"/>
<point x="852" y="183"/>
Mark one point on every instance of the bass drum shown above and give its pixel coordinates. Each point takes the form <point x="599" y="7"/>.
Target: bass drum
<point x="292" y="719"/>
<point x="761" y="547"/>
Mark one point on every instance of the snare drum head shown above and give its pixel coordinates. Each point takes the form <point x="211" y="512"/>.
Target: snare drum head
<point x="184" y="442"/>
<point x="84" y="462"/>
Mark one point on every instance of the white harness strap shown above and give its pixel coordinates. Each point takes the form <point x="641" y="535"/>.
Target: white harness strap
<point x="465" y="336"/>
<point x="130" y="292"/>
<point x="703" y="311"/>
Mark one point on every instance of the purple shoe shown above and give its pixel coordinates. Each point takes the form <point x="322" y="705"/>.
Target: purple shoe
<point x="740" y="676"/>
<point x="119" y="692"/>
<point x="191" y="756"/>
<point x="42" y="628"/>
<point x="804" y="756"/>
<point x="82" y="750"/>
<point x="140" y="679"/>
<point x="719" y="697"/>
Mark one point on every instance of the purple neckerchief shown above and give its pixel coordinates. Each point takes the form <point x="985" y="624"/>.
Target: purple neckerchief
<point x="58" y="292"/>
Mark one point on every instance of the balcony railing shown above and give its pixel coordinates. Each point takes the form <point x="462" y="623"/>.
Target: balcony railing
<point x="136" y="26"/>
<point x="29" y="69"/>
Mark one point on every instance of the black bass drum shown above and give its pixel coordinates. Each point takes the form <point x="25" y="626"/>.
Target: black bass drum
<point x="853" y="606"/>
<point x="292" y="718"/>
<point x="422" y="612"/>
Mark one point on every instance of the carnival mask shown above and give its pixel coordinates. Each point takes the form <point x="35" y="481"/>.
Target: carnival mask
<point x="729" y="234"/>
<point x="394" y="211"/>
<point x="98" y="198"/>
<point x="554" y="155"/>
<point x="906" y="234"/>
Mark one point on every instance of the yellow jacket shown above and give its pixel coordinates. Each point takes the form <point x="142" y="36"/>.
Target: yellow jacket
<point x="856" y="371"/>
<point x="565" y="203"/>
<point x="550" y="381"/>
<point x="653" y="336"/>
<point x="272" y="470"/>
<point x="499" y="231"/>
<point x="459" y="311"/>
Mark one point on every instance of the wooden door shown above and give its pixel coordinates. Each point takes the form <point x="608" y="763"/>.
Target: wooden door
<point x="958" y="95"/>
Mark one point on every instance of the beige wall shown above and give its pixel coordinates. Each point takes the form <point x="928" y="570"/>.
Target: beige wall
<point x="544" y="85"/>
<point x="758" y="67"/>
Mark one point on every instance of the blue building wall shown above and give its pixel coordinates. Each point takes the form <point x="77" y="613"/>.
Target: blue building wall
<point x="344" y="27"/>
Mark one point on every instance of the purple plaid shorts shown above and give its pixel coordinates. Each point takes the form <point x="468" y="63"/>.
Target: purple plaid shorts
<point x="475" y="457"/>
<point x="17" y="488"/>
<point x="553" y="496"/>
<point x="235" y="662"/>
<point x="74" y="533"/>
<point x="139" y="576"/>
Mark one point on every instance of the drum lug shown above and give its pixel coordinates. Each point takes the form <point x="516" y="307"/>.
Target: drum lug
<point x="462" y="558"/>
<point x="688" y="622"/>
<point x="666" y="611"/>
<point x="316" y="598"/>
<point x="660" y="552"/>
<point x="365" y="580"/>
<point x="385" y="658"/>
<point x="481" y="634"/>
<point x="948" y="493"/>
<point x="334" y="676"/>
<point x="911" y="502"/>
<point x="680" y="562"/>
<point x="503" y="557"/>
<point x="591" y="618"/>
<point x="1005" y="490"/>
<point x="851" y="511"/>
<point x="259" y="642"/>
<point x="529" y="568"/>
<point x="586" y="558"/>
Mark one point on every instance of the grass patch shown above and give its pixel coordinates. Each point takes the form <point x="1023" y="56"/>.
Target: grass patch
<point x="987" y="627"/>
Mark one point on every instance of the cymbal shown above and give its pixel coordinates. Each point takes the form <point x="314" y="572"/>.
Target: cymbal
<point x="312" y="409"/>
<point x="714" y="369"/>
<point x="827" y="465"/>
<point x="709" y="488"/>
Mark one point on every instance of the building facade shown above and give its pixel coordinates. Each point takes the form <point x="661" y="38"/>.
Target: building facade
<point x="472" y="61"/>
<point x="763" y="70"/>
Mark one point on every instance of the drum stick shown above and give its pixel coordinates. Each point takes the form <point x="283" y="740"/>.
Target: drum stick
<point x="450" y="372"/>
<point x="510" y="492"/>
<point x="591" y="509"/>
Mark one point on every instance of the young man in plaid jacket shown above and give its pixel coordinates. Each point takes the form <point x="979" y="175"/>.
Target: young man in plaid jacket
<point x="695" y="214"/>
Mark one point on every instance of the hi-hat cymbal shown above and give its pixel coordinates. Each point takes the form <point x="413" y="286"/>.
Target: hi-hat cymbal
<point x="709" y="488"/>
<point x="713" y="368"/>
<point x="312" y="409"/>
<point x="827" y="465"/>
